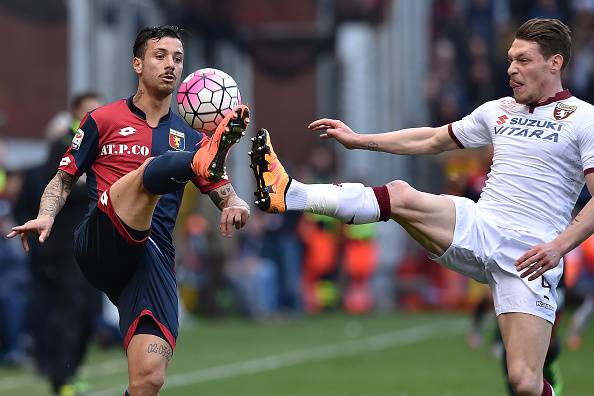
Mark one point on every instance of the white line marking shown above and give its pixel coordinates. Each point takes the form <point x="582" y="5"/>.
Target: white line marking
<point x="326" y="352"/>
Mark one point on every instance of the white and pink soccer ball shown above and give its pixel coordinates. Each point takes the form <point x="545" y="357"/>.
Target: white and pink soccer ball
<point x="205" y="97"/>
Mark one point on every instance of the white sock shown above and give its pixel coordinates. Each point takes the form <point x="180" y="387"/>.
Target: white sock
<point x="348" y="202"/>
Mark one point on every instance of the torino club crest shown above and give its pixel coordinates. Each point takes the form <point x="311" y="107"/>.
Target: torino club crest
<point x="177" y="140"/>
<point x="563" y="111"/>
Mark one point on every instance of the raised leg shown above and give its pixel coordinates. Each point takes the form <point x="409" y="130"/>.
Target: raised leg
<point x="135" y="195"/>
<point x="430" y="219"/>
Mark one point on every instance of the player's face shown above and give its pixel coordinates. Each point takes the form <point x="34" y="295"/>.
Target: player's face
<point x="161" y="68"/>
<point x="530" y="74"/>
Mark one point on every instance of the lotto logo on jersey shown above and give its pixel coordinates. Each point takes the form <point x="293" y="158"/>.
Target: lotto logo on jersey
<point x="177" y="140"/>
<point x="124" y="149"/>
<point x="65" y="161"/>
<point x="127" y="131"/>
<point x="562" y="111"/>
<point x="77" y="139"/>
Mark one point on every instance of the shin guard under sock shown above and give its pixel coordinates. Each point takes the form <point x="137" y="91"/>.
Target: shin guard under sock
<point x="352" y="203"/>
<point x="168" y="172"/>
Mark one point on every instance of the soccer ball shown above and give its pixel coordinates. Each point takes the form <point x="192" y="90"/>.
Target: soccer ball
<point x="205" y="97"/>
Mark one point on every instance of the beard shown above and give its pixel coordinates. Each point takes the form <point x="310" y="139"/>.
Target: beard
<point x="166" y="91"/>
<point x="162" y="90"/>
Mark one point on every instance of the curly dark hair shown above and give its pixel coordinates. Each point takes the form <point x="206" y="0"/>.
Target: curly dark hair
<point x="153" y="32"/>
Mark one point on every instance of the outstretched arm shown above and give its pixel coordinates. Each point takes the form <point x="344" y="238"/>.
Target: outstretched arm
<point x="424" y="140"/>
<point x="545" y="256"/>
<point x="234" y="210"/>
<point x="53" y="199"/>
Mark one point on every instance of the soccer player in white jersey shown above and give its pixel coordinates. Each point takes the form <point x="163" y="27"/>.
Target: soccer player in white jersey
<point x="543" y="141"/>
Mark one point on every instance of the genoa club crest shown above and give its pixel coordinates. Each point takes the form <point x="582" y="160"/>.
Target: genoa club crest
<point x="563" y="111"/>
<point x="177" y="140"/>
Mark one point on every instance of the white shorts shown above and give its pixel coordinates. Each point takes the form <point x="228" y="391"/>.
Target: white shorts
<point x="487" y="253"/>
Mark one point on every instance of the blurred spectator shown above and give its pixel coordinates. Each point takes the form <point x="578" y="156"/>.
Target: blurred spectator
<point x="193" y="272"/>
<point x="254" y="277"/>
<point x="70" y="305"/>
<point x="469" y="50"/>
<point x="547" y="9"/>
<point x="320" y="236"/>
<point x="283" y="247"/>
<point x="480" y="15"/>
<point x="579" y="321"/>
<point x="14" y="276"/>
<point x="579" y="275"/>
<point x="14" y="279"/>
<point x="582" y="71"/>
<point x="360" y="259"/>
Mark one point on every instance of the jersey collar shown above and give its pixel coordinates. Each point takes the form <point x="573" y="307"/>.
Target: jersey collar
<point x="134" y="109"/>
<point x="565" y="94"/>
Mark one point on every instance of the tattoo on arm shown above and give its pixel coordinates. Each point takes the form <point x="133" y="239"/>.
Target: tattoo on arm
<point x="162" y="350"/>
<point x="225" y="196"/>
<point x="221" y="194"/>
<point x="372" y="146"/>
<point x="55" y="194"/>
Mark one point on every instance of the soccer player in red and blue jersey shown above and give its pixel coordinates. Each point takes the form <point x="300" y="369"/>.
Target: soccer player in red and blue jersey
<point x="138" y="156"/>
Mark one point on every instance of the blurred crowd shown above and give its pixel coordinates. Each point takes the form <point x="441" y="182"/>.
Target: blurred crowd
<point x="470" y="42"/>
<point x="290" y="265"/>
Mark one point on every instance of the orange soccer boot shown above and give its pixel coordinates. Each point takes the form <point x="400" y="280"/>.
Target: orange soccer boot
<point x="209" y="160"/>
<point x="272" y="181"/>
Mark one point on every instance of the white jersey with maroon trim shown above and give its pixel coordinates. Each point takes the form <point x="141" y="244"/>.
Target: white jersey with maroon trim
<point x="541" y="154"/>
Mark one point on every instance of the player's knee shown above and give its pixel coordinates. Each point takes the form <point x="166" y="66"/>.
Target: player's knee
<point x="146" y="381"/>
<point x="139" y="172"/>
<point x="136" y="176"/>
<point x="402" y="195"/>
<point x="524" y="381"/>
<point x="144" y="164"/>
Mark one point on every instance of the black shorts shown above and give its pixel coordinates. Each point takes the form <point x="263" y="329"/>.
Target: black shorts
<point x="136" y="276"/>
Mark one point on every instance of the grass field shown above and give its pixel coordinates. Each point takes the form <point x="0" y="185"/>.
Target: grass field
<point x="329" y="355"/>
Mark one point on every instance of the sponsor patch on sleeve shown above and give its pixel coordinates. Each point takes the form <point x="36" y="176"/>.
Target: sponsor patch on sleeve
<point x="77" y="139"/>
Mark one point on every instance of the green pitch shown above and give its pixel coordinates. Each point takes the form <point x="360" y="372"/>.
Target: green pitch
<point x="329" y="355"/>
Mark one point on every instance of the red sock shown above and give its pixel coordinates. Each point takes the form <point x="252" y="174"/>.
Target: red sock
<point x="383" y="201"/>
<point x="547" y="389"/>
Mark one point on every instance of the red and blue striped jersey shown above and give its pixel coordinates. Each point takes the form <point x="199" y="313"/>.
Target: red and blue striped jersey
<point x="116" y="139"/>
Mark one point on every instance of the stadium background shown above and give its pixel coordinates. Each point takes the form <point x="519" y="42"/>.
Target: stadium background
<point x="359" y="310"/>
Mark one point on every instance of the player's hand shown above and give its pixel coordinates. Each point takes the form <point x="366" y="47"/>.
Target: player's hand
<point x="41" y="226"/>
<point x="538" y="260"/>
<point x="233" y="217"/>
<point x="336" y="129"/>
